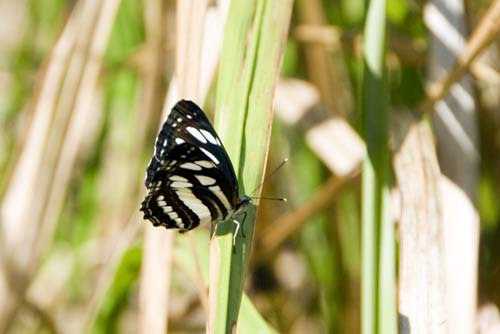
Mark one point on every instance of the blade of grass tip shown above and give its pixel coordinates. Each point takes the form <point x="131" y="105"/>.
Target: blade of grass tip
<point x="247" y="78"/>
<point x="378" y="281"/>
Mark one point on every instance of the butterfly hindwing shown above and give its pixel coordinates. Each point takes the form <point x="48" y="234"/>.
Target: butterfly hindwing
<point x="190" y="179"/>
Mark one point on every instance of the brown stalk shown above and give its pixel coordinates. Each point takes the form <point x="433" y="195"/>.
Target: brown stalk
<point x="321" y="66"/>
<point x="285" y="226"/>
<point x="333" y="39"/>
<point x="486" y="31"/>
<point x="153" y="64"/>
<point x="158" y="243"/>
<point x="46" y="319"/>
<point x="485" y="72"/>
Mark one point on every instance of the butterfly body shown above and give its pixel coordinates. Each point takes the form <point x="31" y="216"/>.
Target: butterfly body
<point x="190" y="179"/>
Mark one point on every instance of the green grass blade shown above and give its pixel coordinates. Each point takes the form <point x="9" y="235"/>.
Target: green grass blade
<point x="254" y="40"/>
<point x="250" y="321"/>
<point x="378" y="281"/>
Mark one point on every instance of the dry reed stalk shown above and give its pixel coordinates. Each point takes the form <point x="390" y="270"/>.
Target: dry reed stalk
<point x="486" y="31"/>
<point x="152" y="65"/>
<point x="455" y="124"/>
<point x="321" y="67"/>
<point x="419" y="184"/>
<point x="286" y="225"/>
<point x="157" y="257"/>
<point x="422" y="203"/>
<point x="421" y="256"/>
<point x="84" y="114"/>
<point x="41" y="176"/>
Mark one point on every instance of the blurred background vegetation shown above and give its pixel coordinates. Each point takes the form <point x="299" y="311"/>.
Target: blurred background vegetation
<point x="72" y="250"/>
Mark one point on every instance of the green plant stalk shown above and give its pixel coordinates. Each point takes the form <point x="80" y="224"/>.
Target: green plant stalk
<point x="378" y="280"/>
<point x="250" y="320"/>
<point x="368" y="251"/>
<point x="251" y="57"/>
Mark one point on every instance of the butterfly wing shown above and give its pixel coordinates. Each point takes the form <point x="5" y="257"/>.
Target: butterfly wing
<point x="190" y="179"/>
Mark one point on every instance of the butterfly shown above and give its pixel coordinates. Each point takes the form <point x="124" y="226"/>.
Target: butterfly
<point x="190" y="179"/>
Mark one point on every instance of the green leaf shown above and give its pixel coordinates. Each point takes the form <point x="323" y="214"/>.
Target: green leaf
<point x="254" y="40"/>
<point x="378" y="286"/>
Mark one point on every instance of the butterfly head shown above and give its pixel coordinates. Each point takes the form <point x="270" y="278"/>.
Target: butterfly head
<point x="243" y="202"/>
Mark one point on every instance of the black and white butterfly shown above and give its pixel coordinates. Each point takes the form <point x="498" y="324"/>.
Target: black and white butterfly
<point x="190" y="179"/>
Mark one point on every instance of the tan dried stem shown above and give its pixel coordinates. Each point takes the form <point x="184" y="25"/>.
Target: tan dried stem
<point x="41" y="176"/>
<point x="157" y="257"/>
<point x="201" y="286"/>
<point x="486" y="31"/>
<point x="320" y="64"/>
<point x="45" y="317"/>
<point x="188" y="70"/>
<point x="485" y="72"/>
<point x="84" y="113"/>
<point x="152" y="64"/>
<point x="285" y="226"/>
<point x="422" y="295"/>
<point x="151" y="67"/>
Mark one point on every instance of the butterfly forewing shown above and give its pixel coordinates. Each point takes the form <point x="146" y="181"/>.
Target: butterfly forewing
<point x="190" y="179"/>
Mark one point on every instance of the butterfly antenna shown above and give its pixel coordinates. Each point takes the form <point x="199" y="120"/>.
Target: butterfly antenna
<point x="268" y="177"/>
<point x="281" y="199"/>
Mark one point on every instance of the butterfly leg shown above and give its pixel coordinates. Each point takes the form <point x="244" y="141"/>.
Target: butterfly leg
<point x="236" y="231"/>
<point x="238" y="225"/>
